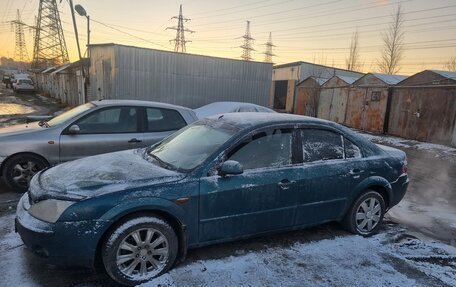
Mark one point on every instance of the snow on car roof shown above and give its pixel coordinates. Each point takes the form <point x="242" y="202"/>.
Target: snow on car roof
<point x="228" y="107"/>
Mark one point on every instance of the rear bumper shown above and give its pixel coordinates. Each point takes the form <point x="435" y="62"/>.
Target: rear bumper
<point x="399" y="188"/>
<point x="61" y="243"/>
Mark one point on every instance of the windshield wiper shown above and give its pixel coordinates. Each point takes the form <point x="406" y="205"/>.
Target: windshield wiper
<point x="43" y="123"/>
<point x="161" y="162"/>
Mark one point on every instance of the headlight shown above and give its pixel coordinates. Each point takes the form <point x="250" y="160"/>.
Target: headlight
<point x="50" y="209"/>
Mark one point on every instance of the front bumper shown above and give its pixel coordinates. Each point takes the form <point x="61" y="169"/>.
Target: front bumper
<point x="61" y="243"/>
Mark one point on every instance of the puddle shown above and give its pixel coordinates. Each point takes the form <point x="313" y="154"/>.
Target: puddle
<point x="14" y="109"/>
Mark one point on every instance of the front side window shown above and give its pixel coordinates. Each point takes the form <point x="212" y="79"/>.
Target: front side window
<point x="159" y="120"/>
<point x="318" y="145"/>
<point x="265" y="149"/>
<point x="110" y="120"/>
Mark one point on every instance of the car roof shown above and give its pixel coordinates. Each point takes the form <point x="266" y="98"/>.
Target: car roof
<point x="137" y="103"/>
<point x="248" y="119"/>
<point x="226" y="107"/>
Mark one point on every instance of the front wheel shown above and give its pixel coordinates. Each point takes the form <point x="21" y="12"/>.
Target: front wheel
<point x="19" y="170"/>
<point x="366" y="214"/>
<point x="139" y="249"/>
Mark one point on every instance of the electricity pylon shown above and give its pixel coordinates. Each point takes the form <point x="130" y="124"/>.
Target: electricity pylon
<point x="20" y="50"/>
<point x="50" y="48"/>
<point x="268" y="54"/>
<point x="247" y="46"/>
<point x="179" y="41"/>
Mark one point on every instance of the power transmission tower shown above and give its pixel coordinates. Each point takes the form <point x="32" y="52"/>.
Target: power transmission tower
<point x="179" y="41"/>
<point x="247" y="46"/>
<point x="268" y="54"/>
<point x="50" y="47"/>
<point x="20" y="50"/>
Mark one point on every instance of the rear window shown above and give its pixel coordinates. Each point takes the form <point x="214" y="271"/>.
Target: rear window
<point x="159" y="120"/>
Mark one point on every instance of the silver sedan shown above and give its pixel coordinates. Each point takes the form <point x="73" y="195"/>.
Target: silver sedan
<point x="93" y="128"/>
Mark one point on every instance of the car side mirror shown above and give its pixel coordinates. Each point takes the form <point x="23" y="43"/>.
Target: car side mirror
<point x="74" y="129"/>
<point x="230" y="167"/>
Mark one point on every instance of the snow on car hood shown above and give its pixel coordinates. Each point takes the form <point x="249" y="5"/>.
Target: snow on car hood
<point x="101" y="174"/>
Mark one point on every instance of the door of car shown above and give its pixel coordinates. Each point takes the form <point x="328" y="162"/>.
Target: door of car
<point x="160" y="123"/>
<point x="325" y="178"/>
<point x="101" y="131"/>
<point x="261" y="199"/>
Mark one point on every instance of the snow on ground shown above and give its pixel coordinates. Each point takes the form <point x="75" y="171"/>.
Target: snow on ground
<point x="388" y="259"/>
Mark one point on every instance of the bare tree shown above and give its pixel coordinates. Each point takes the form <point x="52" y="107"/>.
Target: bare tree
<point x="451" y="64"/>
<point x="353" y="62"/>
<point x="393" y="40"/>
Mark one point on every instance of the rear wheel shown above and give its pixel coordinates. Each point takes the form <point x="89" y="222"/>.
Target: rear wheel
<point x="19" y="170"/>
<point x="366" y="214"/>
<point x="139" y="249"/>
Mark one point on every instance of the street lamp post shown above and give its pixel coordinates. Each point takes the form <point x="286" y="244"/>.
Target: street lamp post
<point x="82" y="12"/>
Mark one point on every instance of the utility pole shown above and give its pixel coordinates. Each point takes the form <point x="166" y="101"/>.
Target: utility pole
<point x="50" y="47"/>
<point x="268" y="54"/>
<point x="247" y="46"/>
<point x="20" y="51"/>
<point x="179" y="41"/>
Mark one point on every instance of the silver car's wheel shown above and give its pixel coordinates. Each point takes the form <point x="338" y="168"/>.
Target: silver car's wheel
<point x="366" y="214"/>
<point x="139" y="249"/>
<point x="19" y="170"/>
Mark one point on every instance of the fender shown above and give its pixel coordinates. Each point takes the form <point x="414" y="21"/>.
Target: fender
<point x="144" y="204"/>
<point x="372" y="181"/>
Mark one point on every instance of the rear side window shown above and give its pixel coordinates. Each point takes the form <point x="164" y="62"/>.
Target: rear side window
<point x="159" y="120"/>
<point x="351" y="150"/>
<point x="321" y="145"/>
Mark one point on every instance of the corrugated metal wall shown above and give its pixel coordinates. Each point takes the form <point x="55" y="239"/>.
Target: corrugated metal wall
<point x="333" y="100"/>
<point x="124" y="72"/>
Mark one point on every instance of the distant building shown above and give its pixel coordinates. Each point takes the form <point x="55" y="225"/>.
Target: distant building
<point x="126" y="72"/>
<point x="369" y="102"/>
<point x="423" y="107"/>
<point x="286" y="77"/>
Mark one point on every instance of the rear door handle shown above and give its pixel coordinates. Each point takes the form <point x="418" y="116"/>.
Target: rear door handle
<point x="134" y="140"/>
<point x="285" y="184"/>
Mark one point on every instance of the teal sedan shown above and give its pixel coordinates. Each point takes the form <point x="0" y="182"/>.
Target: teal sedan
<point x="223" y="178"/>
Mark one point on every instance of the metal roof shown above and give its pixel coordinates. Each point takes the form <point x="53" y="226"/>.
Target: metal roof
<point x="389" y="79"/>
<point x="348" y="80"/>
<point x="320" y="81"/>
<point x="298" y="63"/>
<point x="446" y="74"/>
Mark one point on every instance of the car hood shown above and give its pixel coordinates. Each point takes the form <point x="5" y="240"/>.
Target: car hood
<point x="20" y="129"/>
<point x="101" y="174"/>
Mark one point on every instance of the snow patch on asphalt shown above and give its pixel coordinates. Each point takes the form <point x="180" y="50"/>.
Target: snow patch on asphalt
<point x="342" y="261"/>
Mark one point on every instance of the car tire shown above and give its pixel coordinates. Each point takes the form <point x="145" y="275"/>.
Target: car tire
<point x="366" y="214"/>
<point x="19" y="170"/>
<point x="139" y="249"/>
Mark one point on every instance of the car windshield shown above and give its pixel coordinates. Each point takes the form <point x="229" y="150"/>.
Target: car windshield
<point x="70" y="114"/>
<point x="192" y="145"/>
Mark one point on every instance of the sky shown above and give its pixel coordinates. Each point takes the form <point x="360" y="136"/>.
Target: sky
<point x="314" y="30"/>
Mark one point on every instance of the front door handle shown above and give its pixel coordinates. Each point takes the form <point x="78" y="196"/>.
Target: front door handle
<point x="134" y="140"/>
<point x="285" y="184"/>
<point x="355" y="171"/>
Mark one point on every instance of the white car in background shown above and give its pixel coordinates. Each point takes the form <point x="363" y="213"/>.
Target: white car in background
<point x="23" y="85"/>
<point x="229" y="107"/>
